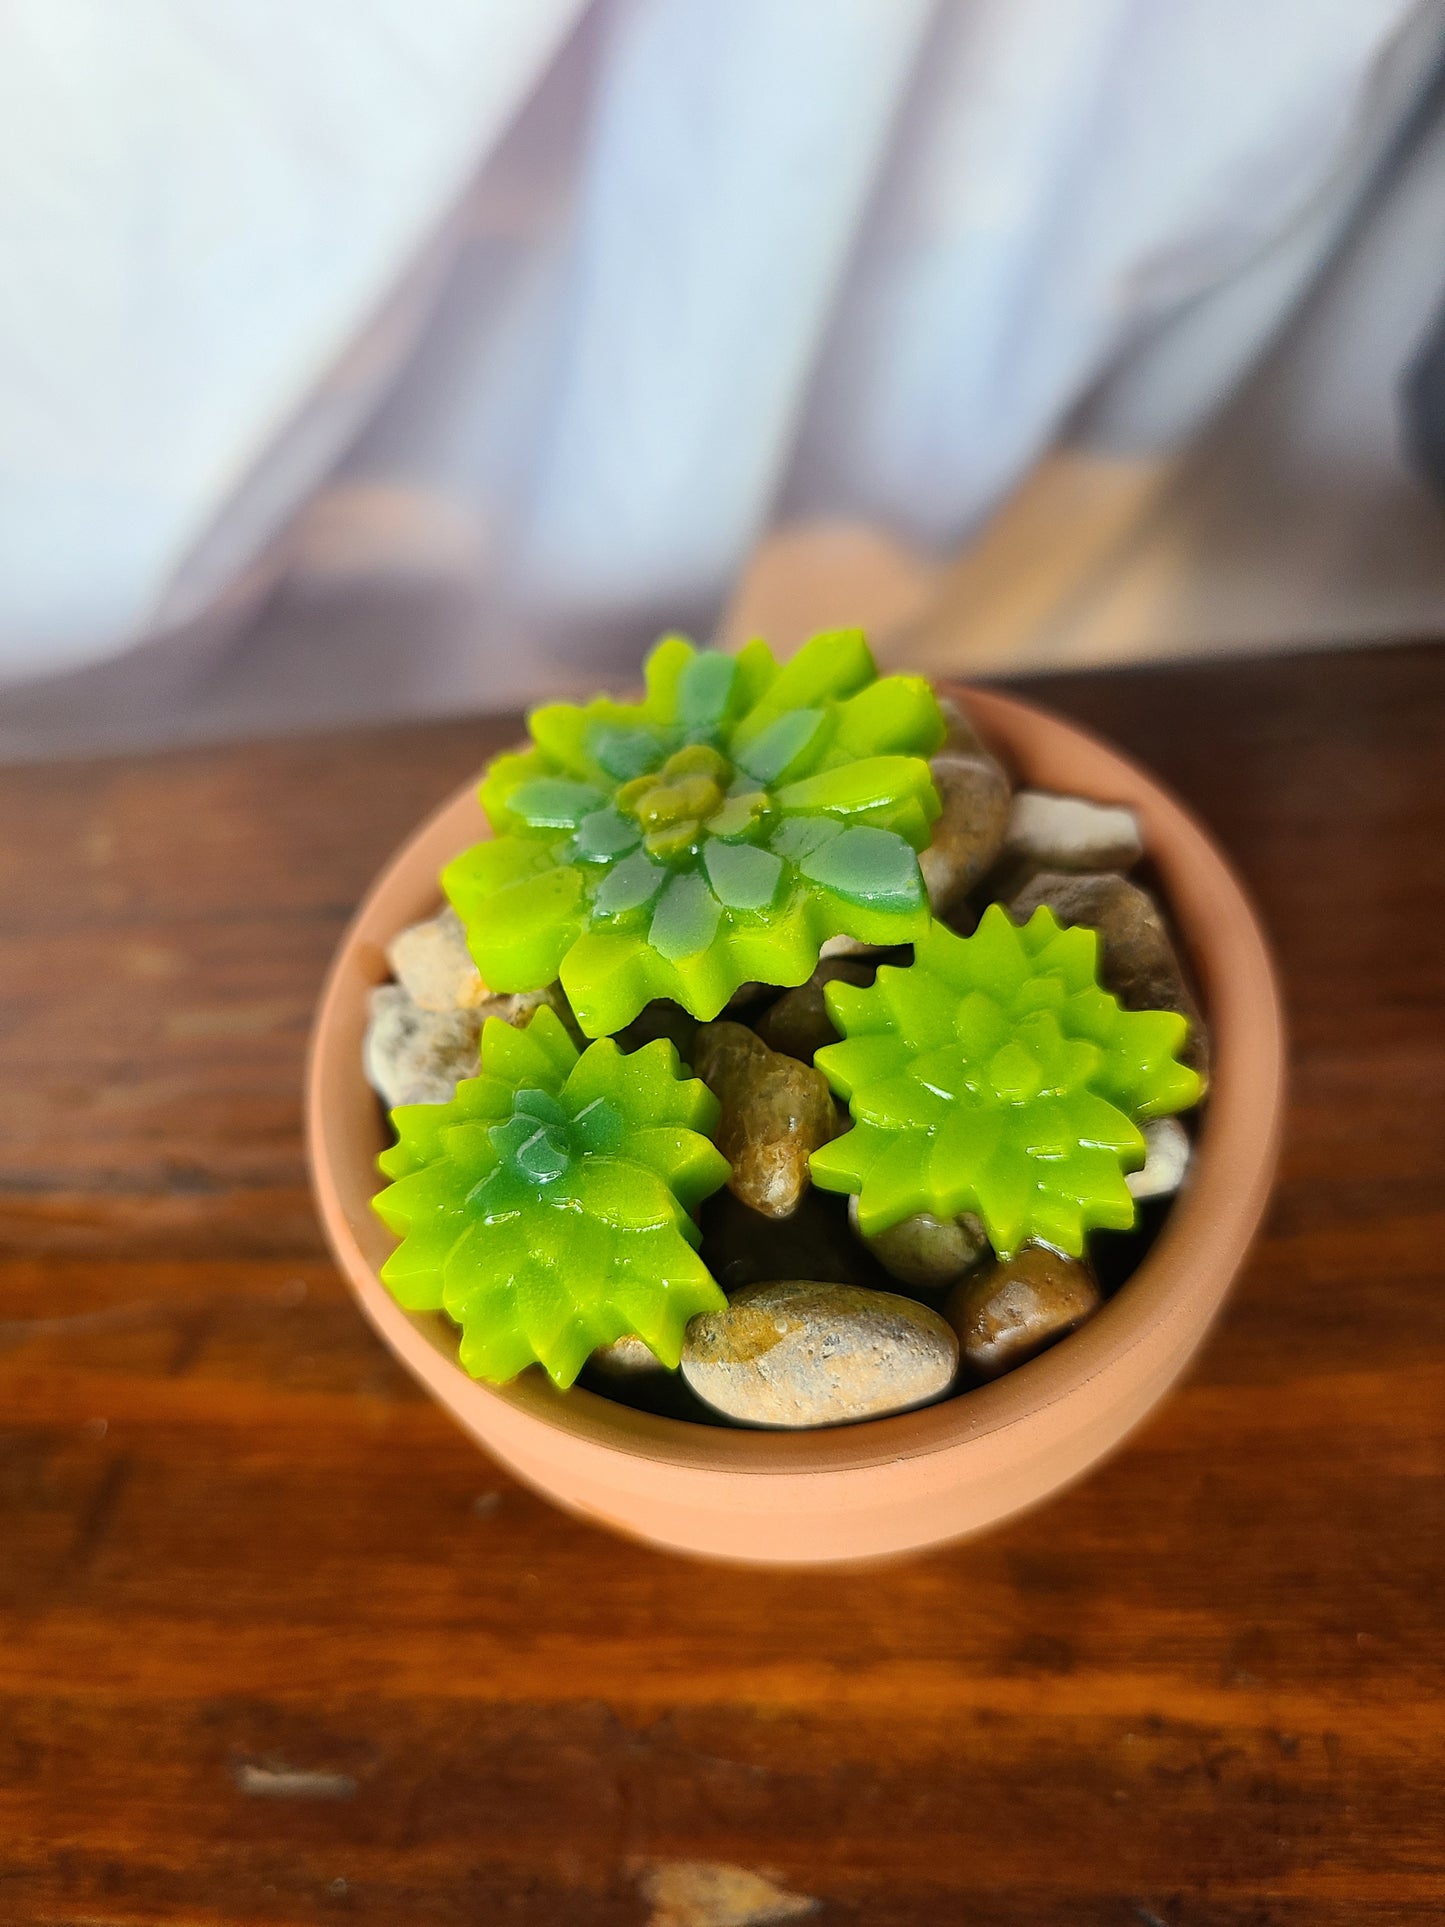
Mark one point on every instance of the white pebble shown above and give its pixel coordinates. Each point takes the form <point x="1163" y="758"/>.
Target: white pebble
<point x="1071" y="833"/>
<point x="1168" y="1151"/>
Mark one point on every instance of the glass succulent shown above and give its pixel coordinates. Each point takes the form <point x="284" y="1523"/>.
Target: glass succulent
<point x="994" y="1075"/>
<point x="717" y="832"/>
<point x="547" y="1207"/>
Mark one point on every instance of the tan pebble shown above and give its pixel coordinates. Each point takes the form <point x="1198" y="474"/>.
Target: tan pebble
<point x="518" y="1007"/>
<point x="433" y="965"/>
<point x="794" y="1353"/>
<point x="627" y="1357"/>
<point x="1012" y="1308"/>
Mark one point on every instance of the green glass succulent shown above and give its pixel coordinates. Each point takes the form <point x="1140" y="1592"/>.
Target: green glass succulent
<point x="717" y="832"/>
<point x="994" y="1075"/>
<point x="546" y="1208"/>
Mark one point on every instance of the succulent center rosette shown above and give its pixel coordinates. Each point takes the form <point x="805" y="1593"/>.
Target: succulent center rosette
<point x="547" y="1207"/>
<point x="720" y="831"/>
<point x="995" y="1075"/>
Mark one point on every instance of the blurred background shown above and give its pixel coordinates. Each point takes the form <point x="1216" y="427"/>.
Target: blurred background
<point x="365" y="358"/>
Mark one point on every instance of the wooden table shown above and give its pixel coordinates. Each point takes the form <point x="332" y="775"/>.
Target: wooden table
<point x="279" y="1645"/>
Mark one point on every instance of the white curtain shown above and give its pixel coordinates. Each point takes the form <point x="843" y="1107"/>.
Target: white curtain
<point x="373" y="356"/>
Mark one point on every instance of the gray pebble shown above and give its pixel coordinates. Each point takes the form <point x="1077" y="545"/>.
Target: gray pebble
<point x="968" y="835"/>
<point x="416" y="1056"/>
<point x="795" y="1353"/>
<point x="1014" y="1307"/>
<point x="924" y="1251"/>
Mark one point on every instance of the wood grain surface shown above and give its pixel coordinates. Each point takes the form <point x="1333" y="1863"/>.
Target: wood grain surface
<point x="278" y="1645"/>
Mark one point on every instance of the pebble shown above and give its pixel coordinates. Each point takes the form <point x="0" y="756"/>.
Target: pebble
<point x="627" y="1357"/>
<point x="660" y="1018"/>
<point x="798" y="1023"/>
<point x="960" y="738"/>
<point x="775" y="1113"/>
<point x="847" y="947"/>
<point x="432" y="964"/>
<point x="923" y="1251"/>
<point x="742" y="1247"/>
<point x="516" y="1007"/>
<point x="416" y="1056"/>
<point x="969" y="834"/>
<point x="1137" y="960"/>
<point x="1047" y="832"/>
<point x="1162" y="1172"/>
<point x="795" y="1353"/>
<point x="1014" y="1307"/>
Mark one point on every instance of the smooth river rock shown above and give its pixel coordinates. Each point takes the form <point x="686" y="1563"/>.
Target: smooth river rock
<point x="432" y="964"/>
<point x="1168" y="1152"/>
<point x="1137" y="959"/>
<point x="969" y="833"/>
<point x="1011" y="1309"/>
<point x="923" y="1251"/>
<point x="627" y="1357"/>
<point x="775" y="1113"/>
<point x="1048" y="832"/>
<point x="795" y="1353"/>
<point x="742" y="1247"/>
<point x="798" y="1024"/>
<point x="416" y="1056"/>
<point x="660" y="1018"/>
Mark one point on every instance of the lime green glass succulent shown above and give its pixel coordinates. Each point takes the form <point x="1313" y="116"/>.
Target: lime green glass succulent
<point x="994" y="1075"/>
<point x="717" y="832"/>
<point x="546" y="1208"/>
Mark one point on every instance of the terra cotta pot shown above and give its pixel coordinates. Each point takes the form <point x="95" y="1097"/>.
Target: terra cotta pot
<point x="887" y="1485"/>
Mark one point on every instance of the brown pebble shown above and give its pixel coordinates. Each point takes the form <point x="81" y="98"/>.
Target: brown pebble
<point x="1012" y="1308"/>
<point x="742" y="1247"/>
<point x="798" y="1023"/>
<point x="775" y="1113"/>
<point x="660" y="1018"/>
<point x="1137" y="960"/>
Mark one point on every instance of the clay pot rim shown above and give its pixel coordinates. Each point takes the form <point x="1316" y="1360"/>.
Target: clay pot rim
<point x="1203" y="1239"/>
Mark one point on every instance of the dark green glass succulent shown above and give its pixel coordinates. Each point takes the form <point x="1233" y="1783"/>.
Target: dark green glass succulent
<point x="547" y="1207"/>
<point x="717" y="832"/>
<point x="995" y="1075"/>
